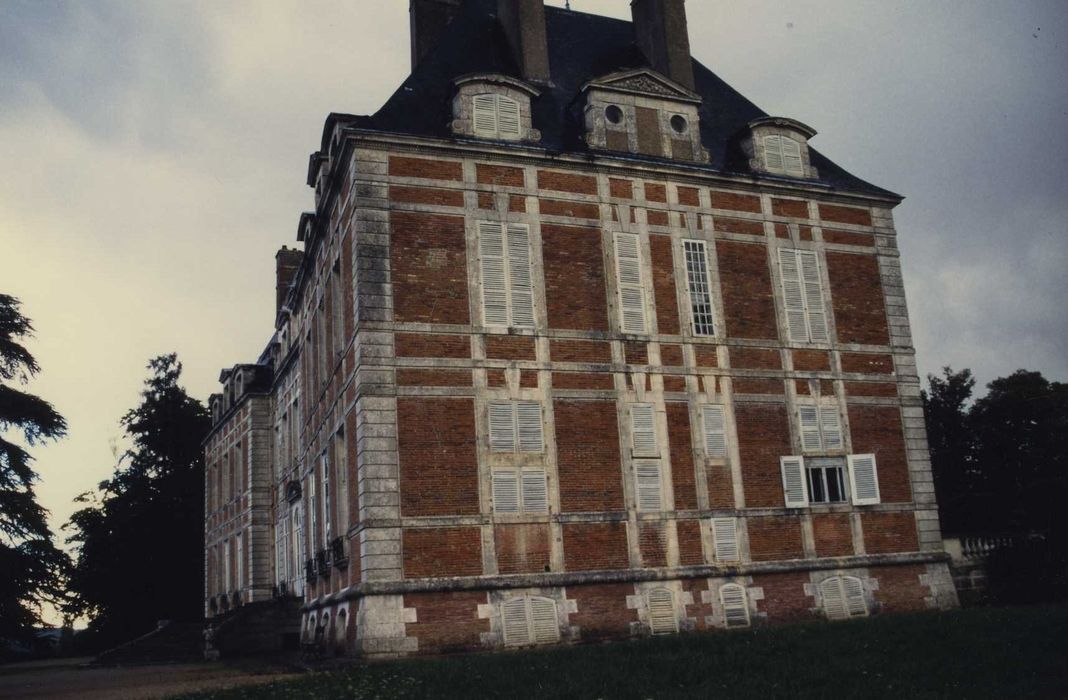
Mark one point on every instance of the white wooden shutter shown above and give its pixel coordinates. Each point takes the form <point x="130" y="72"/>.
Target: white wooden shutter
<point x="735" y="605"/>
<point x="793" y="295"/>
<point x="522" y="291"/>
<point x="854" y="597"/>
<point x="662" y="619"/>
<point x="514" y="622"/>
<point x="505" y="491"/>
<point x="535" y="493"/>
<point x="864" y="479"/>
<point x="791" y="156"/>
<point x="528" y="420"/>
<point x="643" y="430"/>
<point x="831" y="427"/>
<point x="725" y="536"/>
<point x="810" y="278"/>
<point x="545" y="625"/>
<point x="502" y="427"/>
<point x="507" y="117"/>
<point x="810" y="428"/>
<point x="715" y="431"/>
<point x="773" y="153"/>
<point x="485" y="117"/>
<point x="494" y="277"/>
<point x="834" y="606"/>
<point x="648" y="482"/>
<point x="793" y="481"/>
<point x="629" y="276"/>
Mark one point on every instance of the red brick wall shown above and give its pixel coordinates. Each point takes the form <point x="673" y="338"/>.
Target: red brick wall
<point x="499" y="175"/>
<point x="438" y="465"/>
<point x="682" y="467"/>
<point x="409" y="376"/>
<point x="848" y="238"/>
<point x="595" y="546"/>
<point x="689" y="534"/>
<point x="652" y="539"/>
<point x="602" y="611"/>
<point x="744" y="226"/>
<point x="575" y="289"/>
<point x="755" y="358"/>
<point x="811" y="361"/>
<point x="400" y="166"/>
<point x="748" y="385"/>
<point x="429" y="261"/>
<point x="870" y="389"/>
<point x="845" y="215"/>
<point x="735" y="202"/>
<point x="705" y="356"/>
<point x="655" y="192"/>
<point x="667" y="307"/>
<point x="671" y="355"/>
<point x="567" y="182"/>
<point x="763" y="437"/>
<point x="636" y="353"/>
<point x="590" y="474"/>
<point x="620" y="189"/>
<point x="594" y="351"/>
<point x="689" y="196"/>
<point x="789" y="207"/>
<point x="510" y="347"/>
<point x="900" y="589"/>
<point x="889" y="533"/>
<point x="784" y="597"/>
<point x="747" y="297"/>
<point x="857" y="297"/>
<point x="445" y="551"/>
<point x="570" y="208"/>
<point x="522" y="549"/>
<point x="833" y="534"/>
<point x="775" y="538"/>
<point x="447" y="621"/>
<point x="428" y="345"/>
<point x="867" y="364"/>
<point x="582" y="380"/>
<point x="406" y="194"/>
<point x="878" y="430"/>
<point x="720" y="485"/>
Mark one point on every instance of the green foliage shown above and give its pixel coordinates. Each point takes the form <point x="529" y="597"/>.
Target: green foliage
<point x="33" y="568"/>
<point x="978" y="653"/>
<point x="139" y="538"/>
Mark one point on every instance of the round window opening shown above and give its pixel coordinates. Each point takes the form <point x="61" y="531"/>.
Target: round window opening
<point x="679" y="124"/>
<point x="614" y="114"/>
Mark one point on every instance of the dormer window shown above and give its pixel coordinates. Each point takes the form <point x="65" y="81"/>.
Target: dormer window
<point x="779" y="146"/>
<point x="494" y="107"/>
<point x="496" y="116"/>
<point x="783" y="155"/>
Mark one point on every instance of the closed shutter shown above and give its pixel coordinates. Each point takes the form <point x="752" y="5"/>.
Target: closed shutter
<point x="502" y="427"/>
<point x="535" y="493"/>
<point x="834" y="606"/>
<point x="791" y="157"/>
<point x="864" y="479"/>
<point x="519" y="276"/>
<point x="793" y="482"/>
<point x="715" y="431"/>
<point x="528" y="419"/>
<point x="662" y="619"/>
<point x="508" y="117"/>
<point x="810" y="428"/>
<point x="494" y="277"/>
<point x="793" y="295"/>
<point x="629" y="276"/>
<point x="643" y="431"/>
<point x="854" y="597"/>
<point x="514" y="622"/>
<point x="505" y="491"/>
<point x="810" y="277"/>
<point x="773" y="153"/>
<point x="648" y="477"/>
<point x="831" y="427"/>
<point x="725" y="536"/>
<point x="735" y="605"/>
<point x="545" y="623"/>
<point x="485" y="119"/>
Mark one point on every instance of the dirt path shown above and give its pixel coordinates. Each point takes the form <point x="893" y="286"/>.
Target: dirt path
<point x="71" y="679"/>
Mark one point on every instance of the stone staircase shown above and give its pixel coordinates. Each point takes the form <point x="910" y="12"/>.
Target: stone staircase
<point x="169" y="643"/>
<point x="267" y="627"/>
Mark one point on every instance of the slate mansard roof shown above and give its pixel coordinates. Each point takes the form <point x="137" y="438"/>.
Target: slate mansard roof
<point x="582" y="47"/>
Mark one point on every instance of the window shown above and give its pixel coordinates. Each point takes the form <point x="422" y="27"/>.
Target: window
<point x="825" y="479"/>
<point x="806" y="317"/>
<point x="662" y="617"/>
<point x="281" y="561"/>
<point x="725" y="539"/>
<point x="239" y="547"/>
<point x="700" y="287"/>
<point x="613" y="114"/>
<point x="296" y="549"/>
<point x="337" y="306"/>
<point x="327" y="519"/>
<point x="520" y="490"/>
<point x="227" y="580"/>
<point x="310" y="510"/>
<point x="507" y="290"/>
<point x="679" y="124"/>
<point x="515" y="426"/>
<point x="783" y="155"/>
<point x="516" y="429"/>
<point x="821" y="428"/>
<point x="843" y="598"/>
<point x="643" y="431"/>
<point x="629" y="279"/>
<point x="647" y="477"/>
<point x="822" y="480"/>
<point x="529" y="620"/>
<point x="496" y="116"/>
<point x="715" y="431"/>
<point x="735" y="605"/>
<point x="341" y="461"/>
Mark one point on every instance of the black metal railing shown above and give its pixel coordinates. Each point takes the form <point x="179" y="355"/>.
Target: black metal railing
<point x="337" y="553"/>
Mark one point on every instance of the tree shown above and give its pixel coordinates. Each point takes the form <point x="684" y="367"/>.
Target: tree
<point x="139" y="539"/>
<point x="32" y="566"/>
<point x="950" y="439"/>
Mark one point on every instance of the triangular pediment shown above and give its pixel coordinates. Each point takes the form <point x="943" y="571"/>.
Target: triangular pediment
<point x="644" y="81"/>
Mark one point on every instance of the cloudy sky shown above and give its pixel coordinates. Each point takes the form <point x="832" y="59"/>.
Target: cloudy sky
<point x="153" y="156"/>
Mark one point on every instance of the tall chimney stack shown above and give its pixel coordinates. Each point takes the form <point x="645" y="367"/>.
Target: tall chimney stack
<point x="662" y="35"/>
<point x="428" y="21"/>
<point x="524" y="26"/>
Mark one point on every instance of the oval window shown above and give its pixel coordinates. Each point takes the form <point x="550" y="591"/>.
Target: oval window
<point x="679" y="124"/>
<point x="614" y="114"/>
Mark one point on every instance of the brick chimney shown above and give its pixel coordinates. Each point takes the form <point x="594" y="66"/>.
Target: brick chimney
<point x="286" y="264"/>
<point x="428" y="21"/>
<point x="662" y="35"/>
<point x="524" y="26"/>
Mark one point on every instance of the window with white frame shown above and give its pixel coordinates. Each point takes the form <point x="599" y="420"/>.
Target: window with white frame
<point x="629" y="283"/>
<point x="328" y="524"/>
<point x="507" y="283"/>
<point x="496" y="116"/>
<point x="296" y="549"/>
<point x="517" y="446"/>
<point x="714" y="431"/>
<point x="821" y="427"/>
<point x="281" y="560"/>
<point x="806" y="314"/>
<point x="843" y="598"/>
<point x="725" y="539"/>
<point x="529" y="620"/>
<point x="663" y="618"/>
<point x="735" y="604"/>
<point x="782" y="154"/>
<point x="699" y="283"/>
<point x="644" y="444"/>
<point x="643" y="438"/>
<point x="809" y="480"/>
<point x="313" y="534"/>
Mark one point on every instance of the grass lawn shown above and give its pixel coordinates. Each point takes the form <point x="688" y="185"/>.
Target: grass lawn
<point x="977" y="653"/>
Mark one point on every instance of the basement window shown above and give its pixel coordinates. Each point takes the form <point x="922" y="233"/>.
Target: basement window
<point x="530" y="620"/>
<point x="843" y="598"/>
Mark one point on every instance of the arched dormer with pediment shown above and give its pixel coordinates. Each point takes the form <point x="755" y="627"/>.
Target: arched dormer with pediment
<point x="779" y="146"/>
<point x="643" y="112"/>
<point x="497" y="107"/>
